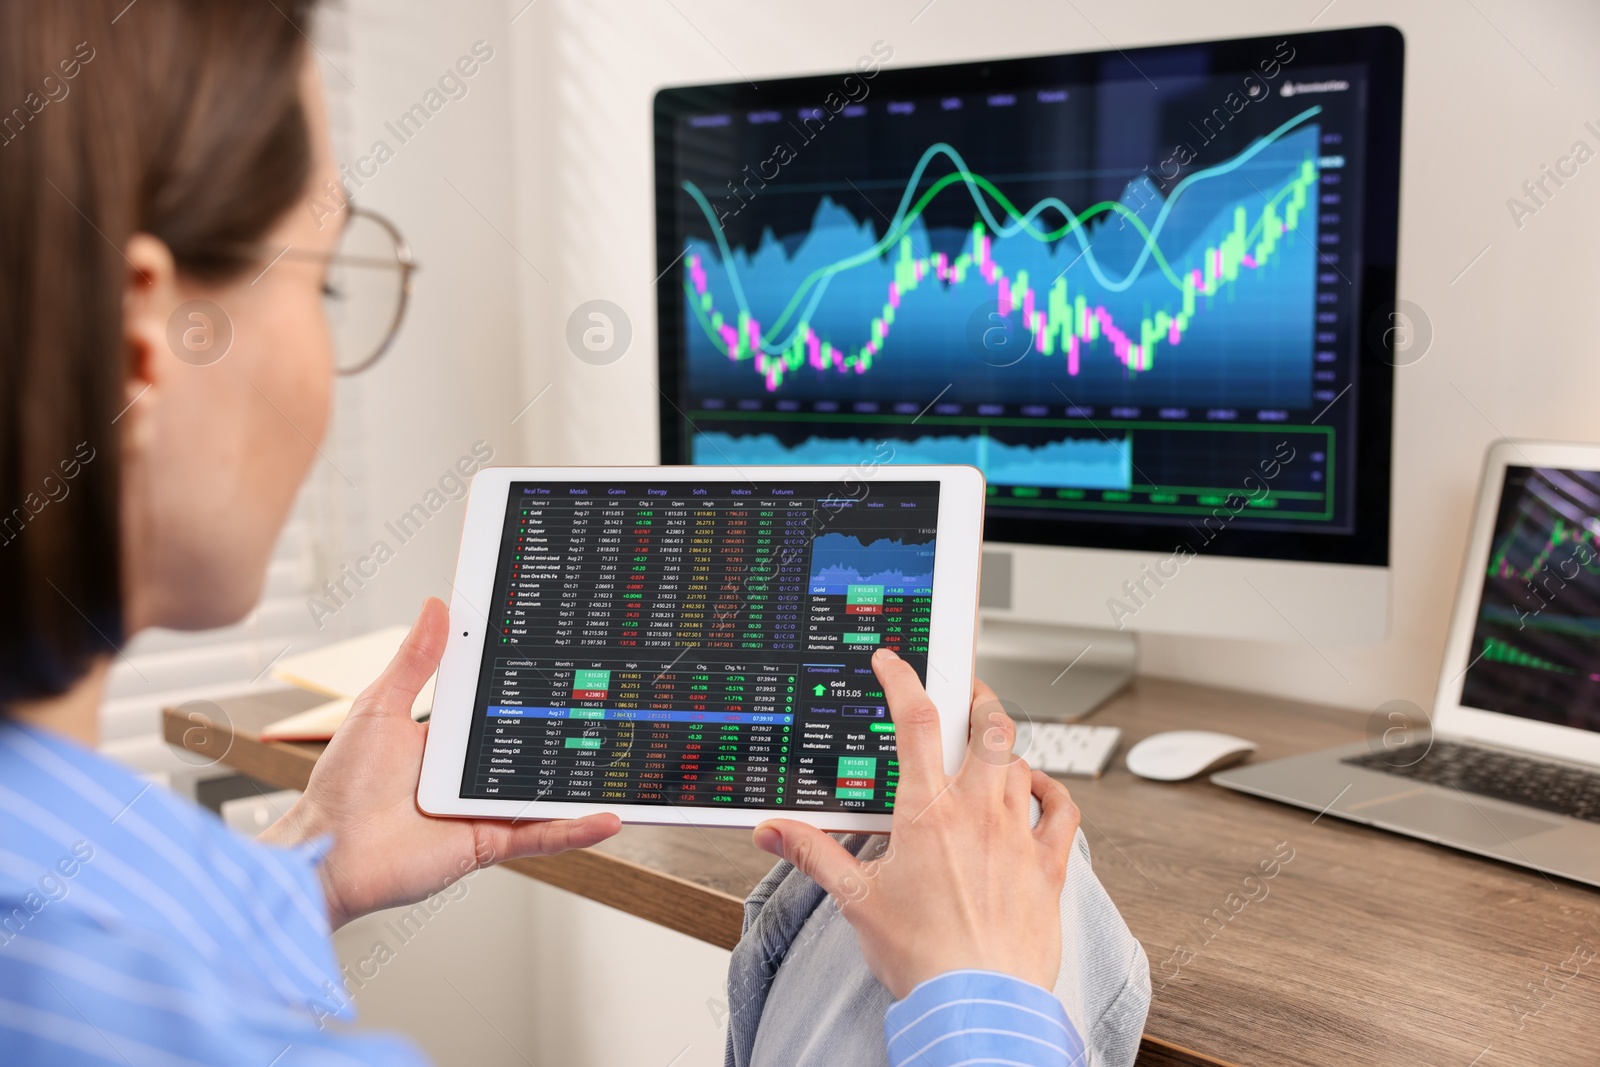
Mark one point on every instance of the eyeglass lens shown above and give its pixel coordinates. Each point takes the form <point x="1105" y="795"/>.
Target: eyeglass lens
<point x="364" y="291"/>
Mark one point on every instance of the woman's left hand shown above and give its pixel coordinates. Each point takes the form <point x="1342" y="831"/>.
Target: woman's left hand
<point x="363" y="791"/>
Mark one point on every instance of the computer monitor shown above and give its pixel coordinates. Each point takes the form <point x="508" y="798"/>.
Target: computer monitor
<point x="1150" y="292"/>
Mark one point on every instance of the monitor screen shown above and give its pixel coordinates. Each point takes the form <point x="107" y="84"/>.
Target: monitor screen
<point x="1536" y="645"/>
<point x="1137" y="289"/>
<point x="701" y="643"/>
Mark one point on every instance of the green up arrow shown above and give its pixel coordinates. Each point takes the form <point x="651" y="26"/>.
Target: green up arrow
<point x="820" y="689"/>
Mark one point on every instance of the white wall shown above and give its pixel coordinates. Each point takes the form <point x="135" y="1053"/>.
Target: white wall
<point x="1494" y="89"/>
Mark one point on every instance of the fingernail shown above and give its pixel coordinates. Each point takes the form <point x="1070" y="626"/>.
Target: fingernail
<point x="886" y="653"/>
<point x="769" y="840"/>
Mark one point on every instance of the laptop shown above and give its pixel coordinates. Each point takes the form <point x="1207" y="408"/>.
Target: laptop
<point x="1509" y="765"/>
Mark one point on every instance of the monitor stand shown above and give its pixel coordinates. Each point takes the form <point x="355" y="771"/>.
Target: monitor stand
<point x="1045" y="673"/>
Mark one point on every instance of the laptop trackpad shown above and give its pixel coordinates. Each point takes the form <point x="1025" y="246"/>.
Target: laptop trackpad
<point x="1454" y="818"/>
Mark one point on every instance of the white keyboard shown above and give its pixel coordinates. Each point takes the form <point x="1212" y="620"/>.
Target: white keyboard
<point x="1067" y="748"/>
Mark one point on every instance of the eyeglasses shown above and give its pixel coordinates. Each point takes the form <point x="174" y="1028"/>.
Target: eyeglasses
<point x="367" y="288"/>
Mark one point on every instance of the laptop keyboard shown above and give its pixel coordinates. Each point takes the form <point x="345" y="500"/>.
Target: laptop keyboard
<point x="1492" y="773"/>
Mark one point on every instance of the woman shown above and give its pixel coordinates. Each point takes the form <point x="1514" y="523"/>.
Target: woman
<point x="161" y="160"/>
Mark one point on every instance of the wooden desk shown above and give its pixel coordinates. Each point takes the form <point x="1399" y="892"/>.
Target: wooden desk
<point x="1364" y="948"/>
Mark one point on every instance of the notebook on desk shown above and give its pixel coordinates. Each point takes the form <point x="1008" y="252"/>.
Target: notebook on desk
<point x="340" y="672"/>
<point x="1510" y="765"/>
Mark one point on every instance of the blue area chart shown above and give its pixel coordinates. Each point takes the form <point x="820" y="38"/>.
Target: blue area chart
<point x="1202" y="294"/>
<point x="839" y="561"/>
<point x="1075" y="463"/>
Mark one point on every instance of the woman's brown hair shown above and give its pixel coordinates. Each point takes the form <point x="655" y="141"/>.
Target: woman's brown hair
<point x="178" y="118"/>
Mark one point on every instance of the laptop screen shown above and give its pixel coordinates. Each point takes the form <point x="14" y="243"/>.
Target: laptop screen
<point x="1536" y="644"/>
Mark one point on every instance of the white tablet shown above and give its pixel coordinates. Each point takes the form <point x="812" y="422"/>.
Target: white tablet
<point x="693" y="644"/>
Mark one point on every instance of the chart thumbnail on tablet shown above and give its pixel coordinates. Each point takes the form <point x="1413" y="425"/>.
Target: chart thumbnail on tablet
<point x="701" y="644"/>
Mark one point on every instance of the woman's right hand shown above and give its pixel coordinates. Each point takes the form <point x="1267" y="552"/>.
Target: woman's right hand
<point x="965" y="883"/>
<point x="363" y="792"/>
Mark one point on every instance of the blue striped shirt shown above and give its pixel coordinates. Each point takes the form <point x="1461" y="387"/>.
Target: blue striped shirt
<point x="136" y="929"/>
<point x="979" y="1017"/>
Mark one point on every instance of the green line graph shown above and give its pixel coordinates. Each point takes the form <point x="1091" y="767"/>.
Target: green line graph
<point x="814" y="285"/>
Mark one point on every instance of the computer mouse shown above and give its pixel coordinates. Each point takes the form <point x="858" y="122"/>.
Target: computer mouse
<point x="1180" y="754"/>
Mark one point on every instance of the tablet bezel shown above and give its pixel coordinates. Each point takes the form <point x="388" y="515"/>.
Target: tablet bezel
<point x="1450" y="716"/>
<point x="951" y="637"/>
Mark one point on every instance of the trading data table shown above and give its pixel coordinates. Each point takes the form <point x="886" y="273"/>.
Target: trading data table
<point x="701" y="644"/>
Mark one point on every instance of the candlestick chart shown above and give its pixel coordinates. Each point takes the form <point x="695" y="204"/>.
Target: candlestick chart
<point x="1199" y="292"/>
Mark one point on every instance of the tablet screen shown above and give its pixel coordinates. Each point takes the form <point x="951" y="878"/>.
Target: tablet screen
<point x="701" y="643"/>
